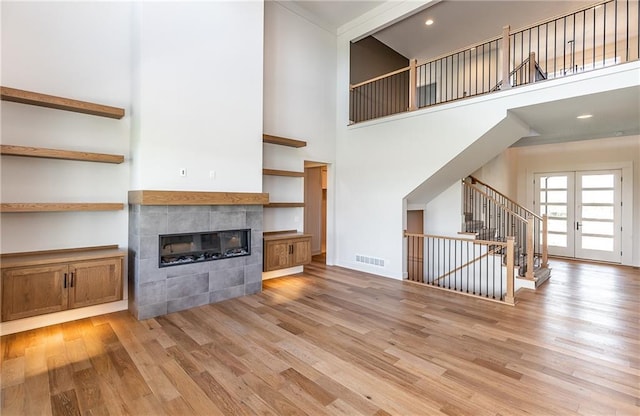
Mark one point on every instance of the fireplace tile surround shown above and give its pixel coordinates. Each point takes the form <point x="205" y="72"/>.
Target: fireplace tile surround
<point x="155" y="291"/>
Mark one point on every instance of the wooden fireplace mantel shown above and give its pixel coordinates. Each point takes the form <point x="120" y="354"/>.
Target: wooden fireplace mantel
<point x="149" y="197"/>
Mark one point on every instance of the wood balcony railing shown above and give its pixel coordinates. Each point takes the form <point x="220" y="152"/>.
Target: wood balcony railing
<point x="601" y="35"/>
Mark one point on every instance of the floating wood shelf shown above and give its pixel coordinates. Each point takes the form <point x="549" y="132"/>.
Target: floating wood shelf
<point x="11" y="150"/>
<point x="60" y="103"/>
<point x="285" y="205"/>
<point x="60" y="206"/>
<point x="276" y="172"/>
<point x="197" y="198"/>
<point x="283" y="141"/>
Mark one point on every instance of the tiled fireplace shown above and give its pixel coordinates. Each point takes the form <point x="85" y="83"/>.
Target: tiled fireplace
<point x="157" y="289"/>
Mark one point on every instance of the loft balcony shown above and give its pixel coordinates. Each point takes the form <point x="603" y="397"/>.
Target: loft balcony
<point x="601" y="35"/>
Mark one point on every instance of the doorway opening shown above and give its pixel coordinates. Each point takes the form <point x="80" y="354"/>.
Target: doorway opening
<point x="415" y="249"/>
<point x="315" y="208"/>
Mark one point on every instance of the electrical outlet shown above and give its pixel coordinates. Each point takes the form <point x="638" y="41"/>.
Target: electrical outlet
<point x="183" y="172"/>
<point x="212" y="174"/>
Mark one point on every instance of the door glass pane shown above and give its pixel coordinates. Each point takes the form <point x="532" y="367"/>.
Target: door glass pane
<point x="557" y="226"/>
<point x="597" y="181"/>
<point x="557" y="196"/>
<point x="597" y="213"/>
<point x="543" y="182"/>
<point x="557" y="240"/>
<point x="556" y="182"/>
<point x="601" y="197"/>
<point x="597" y="243"/>
<point x="597" y="227"/>
<point x="559" y="211"/>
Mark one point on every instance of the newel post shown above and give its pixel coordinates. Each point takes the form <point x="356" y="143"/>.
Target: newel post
<point x="510" y="295"/>
<point x="413" y="85"/>
<point x="531" y="250"/>
<point x="532" y="67"/>
<point x="545" y="250"/>
<point x="506" y="57"/>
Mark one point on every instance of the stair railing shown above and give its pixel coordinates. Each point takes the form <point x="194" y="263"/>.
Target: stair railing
<point x="471" y="267"/>
<point x="493" y="216"/>
<point x="527" y="72"/>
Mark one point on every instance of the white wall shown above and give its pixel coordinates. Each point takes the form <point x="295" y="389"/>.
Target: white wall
<point x="198" y="95"/>
<point x="77" y="50"/>
<point x="299" y="103"/>
<point x="499" y="173"/>
<point x="443" y="215"/>
<point x="611" y="153"/>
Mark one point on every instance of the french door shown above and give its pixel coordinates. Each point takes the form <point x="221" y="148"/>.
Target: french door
<point x="583" y="210"/>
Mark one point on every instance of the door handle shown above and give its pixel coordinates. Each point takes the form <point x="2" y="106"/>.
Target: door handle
<point x="578" y="225"/>
<point x="64" y="284"/>
<point x="71" y="283"/>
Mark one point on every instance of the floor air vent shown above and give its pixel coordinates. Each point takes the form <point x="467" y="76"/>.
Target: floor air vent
<point x="370" y="260"/>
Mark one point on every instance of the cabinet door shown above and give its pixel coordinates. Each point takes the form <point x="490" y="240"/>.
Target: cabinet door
<point x="31" y="291"/>
<point x="301" y="251"/>
<point x="276" y="255"/>
<point x="94" y="282"/>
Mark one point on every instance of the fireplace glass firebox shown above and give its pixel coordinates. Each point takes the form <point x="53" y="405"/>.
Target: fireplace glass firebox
<point x="186" y="248"/>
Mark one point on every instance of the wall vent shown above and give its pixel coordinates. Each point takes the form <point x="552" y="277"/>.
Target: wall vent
<point x="373" y="261"/>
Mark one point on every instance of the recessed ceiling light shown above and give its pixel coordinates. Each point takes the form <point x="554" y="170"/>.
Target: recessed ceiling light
<point x="429" y="22"/>
<point x="583" y="116"/>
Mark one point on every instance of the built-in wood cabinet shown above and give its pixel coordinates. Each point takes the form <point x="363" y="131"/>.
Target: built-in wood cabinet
<point x="285" y="249"/>
<point x="30" y="291"/>
<point x="282" y="251"/>
<point x="51" y="281"/>
<point x="95" y="282"/>
<point x="36" y="284"/>
<point x="301" y="250"/>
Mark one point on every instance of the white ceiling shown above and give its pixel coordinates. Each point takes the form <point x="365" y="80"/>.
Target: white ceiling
<point x="332" y="14"/>
<point x="615" y="112"/>
<point x="481" y="20"/>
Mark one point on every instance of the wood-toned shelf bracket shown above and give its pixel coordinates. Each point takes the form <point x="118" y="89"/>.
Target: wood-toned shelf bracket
<point x="40" y="152"/>
<point x="60" y="103"/>
<point x="60" y="206"/>
<point x="283" y="141"/>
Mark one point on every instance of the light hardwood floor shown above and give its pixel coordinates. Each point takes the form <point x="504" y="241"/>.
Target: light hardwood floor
<point x="335" y="341"/>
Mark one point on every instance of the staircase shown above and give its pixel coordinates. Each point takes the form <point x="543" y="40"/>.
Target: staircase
<point x="492" y="216"/>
